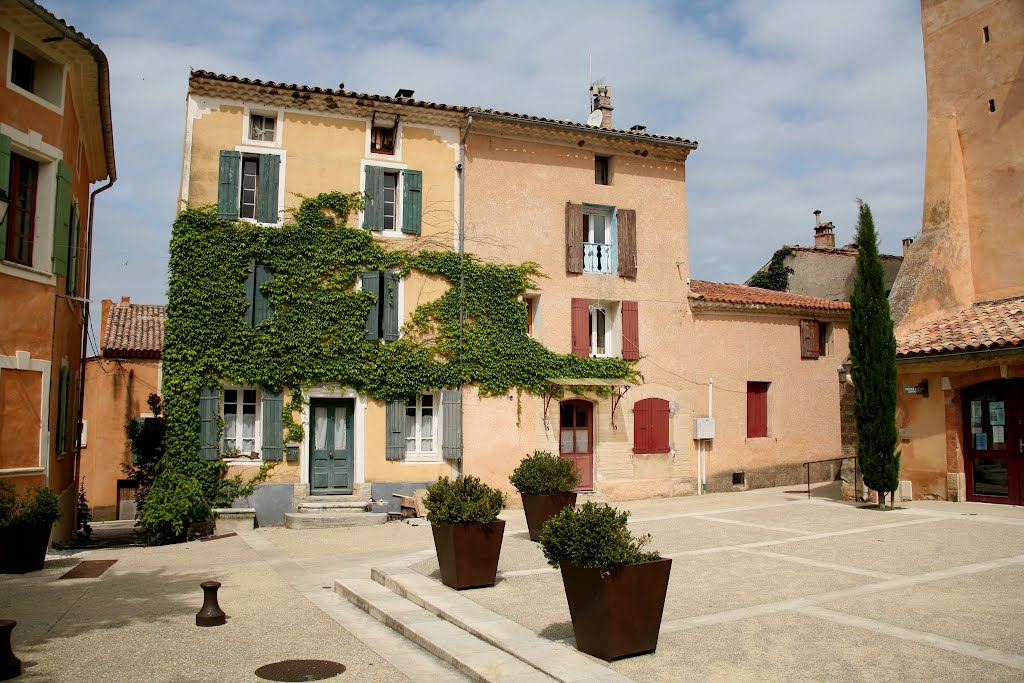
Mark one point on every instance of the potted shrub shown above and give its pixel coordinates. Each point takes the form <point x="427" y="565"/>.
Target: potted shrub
<point x="463" y="514"/>
<point x="615" y="589"/>
<point x="545" y="482"/>
<point x="25" y="528"/>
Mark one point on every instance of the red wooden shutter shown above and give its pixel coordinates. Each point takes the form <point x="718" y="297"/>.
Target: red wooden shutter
<point x="757" y="409"/>
<point x="580" y="328"/>
<point x="651" y="426"/>
<point x="809" y="339"/>
<point x="573" y="237"/>
<point x="630" y="331"/>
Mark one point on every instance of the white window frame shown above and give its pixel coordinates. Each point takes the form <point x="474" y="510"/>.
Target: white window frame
<point x="534" y="299"/>
<point x="434" y="455"/>
<point x="37" y="55"/>
<point x="277" y="114"/>
<point x="257" y="436"/>
<point x="612" y="329"/>
<point x="611" y="236"/>
<point x="247" y="150"/>
<point x="31" y="146"/>
<point x="399" y="189"/>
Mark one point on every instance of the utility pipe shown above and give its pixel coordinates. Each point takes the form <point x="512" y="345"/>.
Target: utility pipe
<point x="461" y="170"/>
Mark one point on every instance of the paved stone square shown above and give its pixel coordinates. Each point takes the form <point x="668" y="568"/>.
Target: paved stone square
<point x="765" y="585"/>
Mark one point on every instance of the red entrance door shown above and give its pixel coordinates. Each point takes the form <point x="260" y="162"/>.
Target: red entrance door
<point x="576" y="439"/>
<point x="994" y="441"/>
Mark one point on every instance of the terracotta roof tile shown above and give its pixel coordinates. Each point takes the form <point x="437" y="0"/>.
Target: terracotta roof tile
<point x="701" y="290"/>
<point x="134" y="331"/>
<point x="986" y="325"/>
<point x="408" y="101"/>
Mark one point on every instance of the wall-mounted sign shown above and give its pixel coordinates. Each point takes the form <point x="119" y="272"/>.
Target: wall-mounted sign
<point x="919" y="389"/>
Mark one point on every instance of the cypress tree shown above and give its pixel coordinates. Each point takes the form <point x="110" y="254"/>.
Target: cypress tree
<point x="873" y="357"/>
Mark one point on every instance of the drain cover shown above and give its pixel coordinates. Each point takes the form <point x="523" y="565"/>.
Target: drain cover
<point x="300" y="670"/>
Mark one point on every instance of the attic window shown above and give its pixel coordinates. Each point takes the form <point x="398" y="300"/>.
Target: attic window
<point x="32" y="72"/>
<point x="262" y="127"/>
<point x="383" y="133"/>
<point x="23" y="71"/>
<point x="602" y="170"/>
<point x="984" y="32"/>
<point x="991" y="105"/>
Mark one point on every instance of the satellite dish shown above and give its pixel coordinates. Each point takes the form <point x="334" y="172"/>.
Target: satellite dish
<point x="595" y="118"/>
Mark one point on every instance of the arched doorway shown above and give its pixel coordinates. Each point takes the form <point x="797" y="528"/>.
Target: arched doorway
<point x="576" y="438"/>
<point x="994" y="441"/>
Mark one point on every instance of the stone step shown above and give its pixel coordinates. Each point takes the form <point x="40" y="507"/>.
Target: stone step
<point x="469" y="655"/>
<point x="559" y="661"/>
<point x="333" y="506"/>
<point x="330" y="520"/>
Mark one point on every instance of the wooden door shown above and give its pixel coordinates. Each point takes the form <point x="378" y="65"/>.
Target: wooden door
<point x="576" y="439"/>
<point x="332" y="461"/>
<point x="994" y="441"/>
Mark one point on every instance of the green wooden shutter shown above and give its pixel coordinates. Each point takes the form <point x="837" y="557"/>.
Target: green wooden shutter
<point x="209" y="400"/>
<point x="389" y="299"/>
<point x="412" y="201"/>
<point x="73" y="250"/>
<point x="270" y="169"/>
<point x="373" y="210"/>
<point x="62" y="411"/>
<point x="273" y="425"/>
<point x="395" y="424"/>
<point x="227" y="192"/>
<point x="250" y="293"/>
<point x="5" y="185"/>
<point x="451" y="419"/>
<point x="261" y="309"/>
<point x="371" y="283"/>
<point x="62" y="219"/>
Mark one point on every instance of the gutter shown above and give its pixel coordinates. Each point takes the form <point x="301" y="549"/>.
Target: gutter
<point x="964" y="355"/>
<point x="684" y="144"/>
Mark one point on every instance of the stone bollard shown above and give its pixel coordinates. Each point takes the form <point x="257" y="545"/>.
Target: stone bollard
<point x="211" y="614"/>
<point x="10" y="666"/>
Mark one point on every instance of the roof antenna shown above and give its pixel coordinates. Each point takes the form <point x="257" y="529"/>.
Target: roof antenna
<point x="590" y="79"/>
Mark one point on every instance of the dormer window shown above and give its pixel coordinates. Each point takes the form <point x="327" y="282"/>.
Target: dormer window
<point x="383" y="133"/>
<point x="33" y="73"/>
<point x="262" y="127"/>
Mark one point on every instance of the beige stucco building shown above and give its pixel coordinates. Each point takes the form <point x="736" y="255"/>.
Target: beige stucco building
<point x="958" y="303"/>
<point x="602" y="211"/>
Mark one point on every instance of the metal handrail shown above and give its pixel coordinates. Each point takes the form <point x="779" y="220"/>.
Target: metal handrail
<point x="815" y="462"/>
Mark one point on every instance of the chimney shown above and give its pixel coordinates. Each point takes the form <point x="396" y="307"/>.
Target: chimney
<point x="824" y="233"/>
<point x="907" y="241"/>
<point x="638" y="128"/>
<point x="125" y="301"/>
<point x="602" y="101"/>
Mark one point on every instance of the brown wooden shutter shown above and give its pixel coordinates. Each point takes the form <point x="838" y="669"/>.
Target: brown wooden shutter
<point x="626" y="227"/>
<point x="651" y="426"/>
<point x="580" y="328"/>
<point x="757" y="409"/>
<point x="573" y="237"/>
<point x="630" y="331"/>
<point x="809" y="339"/>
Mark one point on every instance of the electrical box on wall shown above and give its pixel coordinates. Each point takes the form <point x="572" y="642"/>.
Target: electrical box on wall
<point x="704" y="428"/>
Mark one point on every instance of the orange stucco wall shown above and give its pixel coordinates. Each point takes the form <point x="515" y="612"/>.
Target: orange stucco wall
<point x="19" y="417"/>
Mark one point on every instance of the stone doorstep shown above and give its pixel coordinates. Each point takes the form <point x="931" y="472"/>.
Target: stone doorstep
<point x="449" y="643"/>
<point x="559" y="661"/>
<point x="334" y="506"/>
<point x="330" y="520"/>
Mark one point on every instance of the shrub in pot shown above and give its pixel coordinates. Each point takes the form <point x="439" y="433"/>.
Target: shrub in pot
<point x="545" y="482"/>
<point x="615" y="589"/>
<point x="25" y="528"/>
<point x="463" y="515"/>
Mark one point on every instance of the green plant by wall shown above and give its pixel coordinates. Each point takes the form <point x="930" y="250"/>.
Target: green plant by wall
<point x="293" y="430"/>
<point x="545" y="473"/>
<point x="316" y="333"/>
<point x="776" y="274"/>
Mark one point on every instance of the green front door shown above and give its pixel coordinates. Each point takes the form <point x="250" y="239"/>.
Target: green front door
<point x="332" y="464"/>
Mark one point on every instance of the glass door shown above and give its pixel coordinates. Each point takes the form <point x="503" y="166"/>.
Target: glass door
<point x="993" y="441"/>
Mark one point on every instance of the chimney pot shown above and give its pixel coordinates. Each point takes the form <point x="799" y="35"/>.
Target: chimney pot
<point x="907" y="241"/>
<point x="817" y="217"/>
<point x="125" y="300"/>
<point x="638" y="128"/>
<point x="602" y="100"/>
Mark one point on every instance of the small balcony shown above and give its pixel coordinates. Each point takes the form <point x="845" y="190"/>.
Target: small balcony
<point x="597" y="258"/>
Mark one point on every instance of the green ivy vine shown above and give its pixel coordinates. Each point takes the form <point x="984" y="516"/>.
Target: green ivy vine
<point x="316" y="333"/>
<point x="776" y="274"/>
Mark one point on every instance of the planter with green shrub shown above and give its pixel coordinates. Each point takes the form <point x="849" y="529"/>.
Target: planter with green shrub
<point x="25" y="528"/>
<point x="463" y="515"/>
<point x="545" y="482"/>
<point x="615" y="589"/>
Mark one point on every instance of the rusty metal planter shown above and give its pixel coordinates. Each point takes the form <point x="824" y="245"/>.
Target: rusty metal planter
<point x="468" y="553"/>
<point x="540" y="507"/>
<point x="618" y="614"/>
<point x="23" y="548"/>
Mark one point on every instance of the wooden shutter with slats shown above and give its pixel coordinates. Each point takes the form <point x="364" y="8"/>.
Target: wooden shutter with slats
<point x="412" y="202"/>
<point x="757" y="409"/>
<point x="395" y="425"/>
<point x="580" y="328"/>
<point x="630" y="331"/>
<point x="209" y="407"/>
<point x="625" y="220"/>
<point x="227" y="189"/>
<point x="73" y="251"/>
<point x="371" y="284"/>
<point x="261" y="309"/>
<point x="451" y="428"/>
<point x="389" y="299"/>
<point x="809" y="339"/>
<point x="267" y="191"/>
<point x="5" y="185"/>
<point x="373" y="208"/>
<point x="573" y="237"/>
<point x="651" y="426"/>
<point x="273" y="425"/>
<point x="62" y="219"/>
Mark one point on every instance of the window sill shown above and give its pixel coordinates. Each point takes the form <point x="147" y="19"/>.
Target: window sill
<point x="423" y="458"/>
<point x="392" y="234"/>
<point x="263" y="143"/>
<point x="27" y="272"/>
<point x="243" y="462"/>
<point x="57" y="108"/>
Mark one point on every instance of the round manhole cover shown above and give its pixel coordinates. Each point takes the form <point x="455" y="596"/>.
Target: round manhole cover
<point x="300" y="670"/>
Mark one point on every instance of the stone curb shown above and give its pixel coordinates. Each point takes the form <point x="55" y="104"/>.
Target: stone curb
<point x="331" y="520"/>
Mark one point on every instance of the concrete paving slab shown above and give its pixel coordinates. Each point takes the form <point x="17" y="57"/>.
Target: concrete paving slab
<point x="792" y="647"/>
<point x="826" y="517"/>
<point x="913" y="549"/>
<point x="686" y="534"/>
<point x="976" y="608"/>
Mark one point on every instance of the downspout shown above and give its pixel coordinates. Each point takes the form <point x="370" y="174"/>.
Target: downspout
<point x="711" y="393"/>
<point x="461" y="169"/>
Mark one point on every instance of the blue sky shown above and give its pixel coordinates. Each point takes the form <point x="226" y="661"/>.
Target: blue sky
<point x="797" y="104"/>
